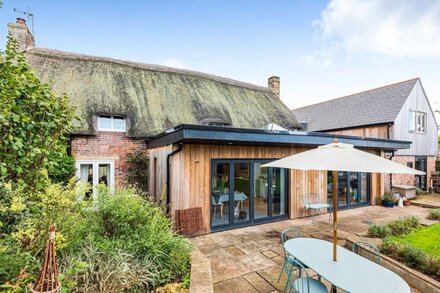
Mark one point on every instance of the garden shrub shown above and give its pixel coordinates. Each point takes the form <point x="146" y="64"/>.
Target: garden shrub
<point x="412" y="257"/>
<point x="120" y="230"/>
<point x="379" y="231"/>
<point x="397" y="227"/>
<point x="434" y="214"/>
<point x="137" y="171"/>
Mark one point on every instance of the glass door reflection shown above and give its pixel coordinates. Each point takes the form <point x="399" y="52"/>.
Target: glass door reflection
<point x="242" y="191"/>
<point x="220" y="186"/>
<point x="261" y="191"/>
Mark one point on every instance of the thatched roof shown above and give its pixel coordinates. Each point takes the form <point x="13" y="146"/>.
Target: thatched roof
<point x="155" y="98"/>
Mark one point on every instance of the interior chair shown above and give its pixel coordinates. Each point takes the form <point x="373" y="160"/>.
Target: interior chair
<point x="217" y="206"/>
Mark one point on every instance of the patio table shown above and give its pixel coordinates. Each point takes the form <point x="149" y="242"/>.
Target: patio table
<point x="352" y="272"/>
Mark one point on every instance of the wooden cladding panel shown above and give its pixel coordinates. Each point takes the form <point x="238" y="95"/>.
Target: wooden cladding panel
<point x="191" y="176"/>
<point x="197" y="175"/>
<point x="379" y="131"/>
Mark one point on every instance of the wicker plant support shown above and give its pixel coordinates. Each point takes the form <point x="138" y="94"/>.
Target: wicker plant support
<point x="47" y="278"/>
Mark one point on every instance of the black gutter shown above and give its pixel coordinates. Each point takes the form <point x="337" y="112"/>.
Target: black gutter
<point x="391" y="175"/>
<point x="179" y="148"/>
<point x="392" y="153"/>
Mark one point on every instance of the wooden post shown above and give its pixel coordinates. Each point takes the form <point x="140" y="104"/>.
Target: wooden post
<point x="335" y="213"/>
<point x="335" y="210"/>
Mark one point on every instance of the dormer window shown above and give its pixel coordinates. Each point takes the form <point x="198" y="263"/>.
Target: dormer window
<point x="111" y="123"/>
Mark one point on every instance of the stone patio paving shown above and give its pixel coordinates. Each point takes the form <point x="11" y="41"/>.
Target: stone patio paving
<point x="249" y="259"/>
<point x="431" y="200"/>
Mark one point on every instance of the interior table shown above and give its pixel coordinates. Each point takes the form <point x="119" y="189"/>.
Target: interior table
<point x="351" y="272"/>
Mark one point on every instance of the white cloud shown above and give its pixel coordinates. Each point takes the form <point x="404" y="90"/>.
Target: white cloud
<point x="173" y="62"/>
<point x="322" y="57"/>
<point x="398" y="28"/>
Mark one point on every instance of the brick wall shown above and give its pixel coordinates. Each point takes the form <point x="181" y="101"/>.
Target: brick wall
<point x="107" y="146"/>
<point x="402" y="179"/>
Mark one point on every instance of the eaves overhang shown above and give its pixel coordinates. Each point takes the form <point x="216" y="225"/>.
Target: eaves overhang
<point x="197" y="134"/>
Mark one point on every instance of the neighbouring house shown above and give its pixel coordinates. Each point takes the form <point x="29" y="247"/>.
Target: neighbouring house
<point x="206" y="138"/>
<point x="400" y="111"/>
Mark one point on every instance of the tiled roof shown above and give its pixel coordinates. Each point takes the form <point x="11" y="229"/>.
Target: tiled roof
<point x="375" y="106"/>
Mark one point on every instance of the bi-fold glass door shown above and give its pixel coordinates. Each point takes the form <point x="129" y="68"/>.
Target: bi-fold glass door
<point x="242" y="193"/>
<point x="353" y="189"/>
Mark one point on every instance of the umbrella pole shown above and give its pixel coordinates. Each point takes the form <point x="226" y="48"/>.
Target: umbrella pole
<point x="335" y="213"/>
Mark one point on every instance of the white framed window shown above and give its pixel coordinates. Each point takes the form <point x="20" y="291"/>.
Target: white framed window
<point x="95" y="172"/>
<point x="417" y="122"/>
<point x="111" y="123"/>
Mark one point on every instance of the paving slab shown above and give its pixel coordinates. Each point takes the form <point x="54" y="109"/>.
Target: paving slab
<point x="249" y="259"/>
<point x="260" y="284"/>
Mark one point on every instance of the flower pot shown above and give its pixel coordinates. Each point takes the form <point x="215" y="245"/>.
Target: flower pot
<point x="388" y="204"/>
<point x="406" y="202"/>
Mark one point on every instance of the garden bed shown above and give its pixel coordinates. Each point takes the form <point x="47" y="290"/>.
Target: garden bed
<point x="406" y="241"/>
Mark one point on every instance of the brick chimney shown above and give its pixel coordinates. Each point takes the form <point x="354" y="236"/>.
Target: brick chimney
<point x="274" y="84"/>
<point x="21" y="34"/>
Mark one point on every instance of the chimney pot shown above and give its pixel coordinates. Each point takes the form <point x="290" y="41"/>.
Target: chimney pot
<point x="274" y="84"/>
<point x="20" y="32"/>
<point x="21" y="21"/>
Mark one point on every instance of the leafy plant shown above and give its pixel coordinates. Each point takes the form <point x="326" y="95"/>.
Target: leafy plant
<point x="137" y="171"/>
<point x="33" y="120"/>
<point x="388" y="196"/>
<point x="434" y="214"/>
<point x="397" y="227"/>
<point x="379" y="231"/>
<point x="419" y="191"/>
<point x="412" y="257"/>
<point x="91" y="270"/>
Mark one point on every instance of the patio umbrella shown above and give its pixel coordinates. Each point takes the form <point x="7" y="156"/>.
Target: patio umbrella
<point x="336" y="157"/>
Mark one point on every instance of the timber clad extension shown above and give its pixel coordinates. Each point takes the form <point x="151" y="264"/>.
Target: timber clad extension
<point x="206" y="137"/>
<point x="192" y="167"/>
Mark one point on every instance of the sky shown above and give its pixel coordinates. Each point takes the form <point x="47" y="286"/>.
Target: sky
<point x="320" y="49"/>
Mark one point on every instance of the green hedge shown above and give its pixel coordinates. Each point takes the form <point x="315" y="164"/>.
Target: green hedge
<point x="412" y="257"/>
<point x="397" y="227"/>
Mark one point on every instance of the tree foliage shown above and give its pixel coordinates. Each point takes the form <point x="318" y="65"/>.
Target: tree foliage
<point x="33" y="120"/>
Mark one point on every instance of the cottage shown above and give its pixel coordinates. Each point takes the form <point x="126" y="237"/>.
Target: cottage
<point x="399" y="111"/>
<point x="206" y="137"/>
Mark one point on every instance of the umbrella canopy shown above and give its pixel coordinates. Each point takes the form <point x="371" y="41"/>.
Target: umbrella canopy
<point x="340" y="157"/>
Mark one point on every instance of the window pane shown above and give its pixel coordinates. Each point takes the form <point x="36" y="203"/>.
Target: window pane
<point x="104" y="122"/>
<point x="419" y="122"/>
<point x="353" y="191"/>
<point x="220" y="194"/>
<point x="279" y="192"/>
<point x="104" y="174"/>
<point x="423" y="122"/>
<point x="118" y="123"/>
<point x="86" y="176"/>
<point x="242" y="191"/>
<point x="364" y="188"/>
<point x="261" y="187"/>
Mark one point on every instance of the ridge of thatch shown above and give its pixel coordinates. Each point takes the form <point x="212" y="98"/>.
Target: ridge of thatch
<point x="154" y="97"/>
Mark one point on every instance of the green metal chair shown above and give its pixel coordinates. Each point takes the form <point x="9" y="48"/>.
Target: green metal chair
<point x="303" y="283"/>
<point x="289" y="260"/>
<point x="367" y="250"/>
